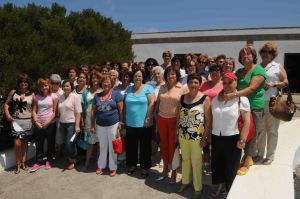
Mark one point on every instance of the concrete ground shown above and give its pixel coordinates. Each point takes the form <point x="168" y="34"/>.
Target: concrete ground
<point x="57" y="183"/>
<point x="297" y="182"/>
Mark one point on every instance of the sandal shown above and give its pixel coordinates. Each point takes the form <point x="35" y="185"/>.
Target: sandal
<point x="267" y="162"/>
<point x="17" y="169"/>
<point x="241" y="172"/>
<point x="24" y="166"/>
<point x="250" y="163"/>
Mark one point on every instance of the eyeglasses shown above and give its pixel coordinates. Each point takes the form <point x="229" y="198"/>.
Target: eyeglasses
<point x="25" y="82"/>
<point x="227" y="82"/>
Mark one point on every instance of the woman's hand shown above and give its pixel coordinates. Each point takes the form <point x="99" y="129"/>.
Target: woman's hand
<point x="241" y="144"/>
<point x="203" y="142"/>
<point x="147" y="122"/>
<point x="38" y="125"/>
<point x="9" y="118"/>
<point x="77" y="129"/>
<point x="120" y="126"/>
<point x="268" y="85"/>
<point x="93" y="130"/>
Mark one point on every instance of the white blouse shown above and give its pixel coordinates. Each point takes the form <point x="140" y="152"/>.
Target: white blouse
<point x="273" y="73"/>
<point x="226" y="114"/>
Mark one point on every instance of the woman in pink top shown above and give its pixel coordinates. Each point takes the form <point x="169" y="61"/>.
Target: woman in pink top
<point x="44" y="111"/>
<point x="213" y="87"/>
<point x="167" y="104"/>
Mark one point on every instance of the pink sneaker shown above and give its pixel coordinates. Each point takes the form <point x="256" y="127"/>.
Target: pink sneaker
<point x="47" y="165"/>
<point x="34" y="168"/>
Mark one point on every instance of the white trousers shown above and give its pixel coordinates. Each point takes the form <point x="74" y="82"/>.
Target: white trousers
<point x="106" y="134"/>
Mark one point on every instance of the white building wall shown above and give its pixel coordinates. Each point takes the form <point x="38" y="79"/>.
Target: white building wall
<point x="230" y="49"/>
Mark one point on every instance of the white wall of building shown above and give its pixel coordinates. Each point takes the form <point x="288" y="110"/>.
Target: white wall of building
<point x="231" y="49"/>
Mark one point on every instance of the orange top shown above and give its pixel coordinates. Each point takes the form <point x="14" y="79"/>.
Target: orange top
<point x="170" y="100"/>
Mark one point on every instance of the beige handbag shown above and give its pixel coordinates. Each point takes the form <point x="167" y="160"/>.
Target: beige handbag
<point x="282" y="109"/>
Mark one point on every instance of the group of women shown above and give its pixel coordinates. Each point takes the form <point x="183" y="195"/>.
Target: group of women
<point x="194" y="108"/>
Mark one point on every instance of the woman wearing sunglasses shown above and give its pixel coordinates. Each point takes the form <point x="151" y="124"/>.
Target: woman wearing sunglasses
<point x="277" y="78"/>
<point x="18" y="111"/>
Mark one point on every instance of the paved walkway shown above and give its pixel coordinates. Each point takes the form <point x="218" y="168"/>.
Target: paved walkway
<point x="56" y="183"/>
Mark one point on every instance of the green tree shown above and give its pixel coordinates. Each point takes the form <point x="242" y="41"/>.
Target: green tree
<point x="41" y="41"/>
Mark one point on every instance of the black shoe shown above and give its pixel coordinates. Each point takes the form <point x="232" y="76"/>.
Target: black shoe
<point x="131" y="171"/>
<point x="144" y="175"/>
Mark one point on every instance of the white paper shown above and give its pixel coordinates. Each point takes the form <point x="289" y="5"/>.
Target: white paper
<point x="22" y="125"/>
<point x="73" y="137"/>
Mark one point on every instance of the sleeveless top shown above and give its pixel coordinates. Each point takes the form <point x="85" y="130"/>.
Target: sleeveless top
<point x="21" y="111"/>
<point x="21" y="105"/>
<point x="191" y="119"/>
<point x="273" y="74"/>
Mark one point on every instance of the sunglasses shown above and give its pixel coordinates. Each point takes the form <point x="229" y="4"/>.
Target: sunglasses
<point x="267" y="52"/>
<point x="202" y="62"/>
<point x="55" y="83"/>
<point x="25" y="82"/>
<point x="214" y="70"/>
<point x="227" y="82"/>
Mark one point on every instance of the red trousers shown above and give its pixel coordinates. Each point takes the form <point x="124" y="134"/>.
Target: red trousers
<point x="166" y="128"/>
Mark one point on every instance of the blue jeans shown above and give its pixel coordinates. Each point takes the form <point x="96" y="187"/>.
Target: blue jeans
<point x="67" y="130"/>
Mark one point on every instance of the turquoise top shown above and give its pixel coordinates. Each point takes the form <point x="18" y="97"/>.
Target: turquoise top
<point x="136" y="106"/>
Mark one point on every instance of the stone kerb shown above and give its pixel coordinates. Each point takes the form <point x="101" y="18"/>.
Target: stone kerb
<point x="276" y="180"/>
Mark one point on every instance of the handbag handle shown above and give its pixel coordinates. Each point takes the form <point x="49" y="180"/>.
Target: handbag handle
<point x="288" y="92"/>
<point x="118" y="133"/>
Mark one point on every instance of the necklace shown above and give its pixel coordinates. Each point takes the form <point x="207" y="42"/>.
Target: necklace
<point x="107" y="96"/>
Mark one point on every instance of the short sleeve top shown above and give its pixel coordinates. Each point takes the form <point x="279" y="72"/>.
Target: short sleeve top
<point x="226" y="114"/>
<point x="69" y="107"/>
<point x="169" y="100"/>
<point x="107" y="113"/>
<point x="256" y="99"/>
<point x="136" y="106"/>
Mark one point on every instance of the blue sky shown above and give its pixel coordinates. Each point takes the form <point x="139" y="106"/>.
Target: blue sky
<point x="167" y="15"/>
